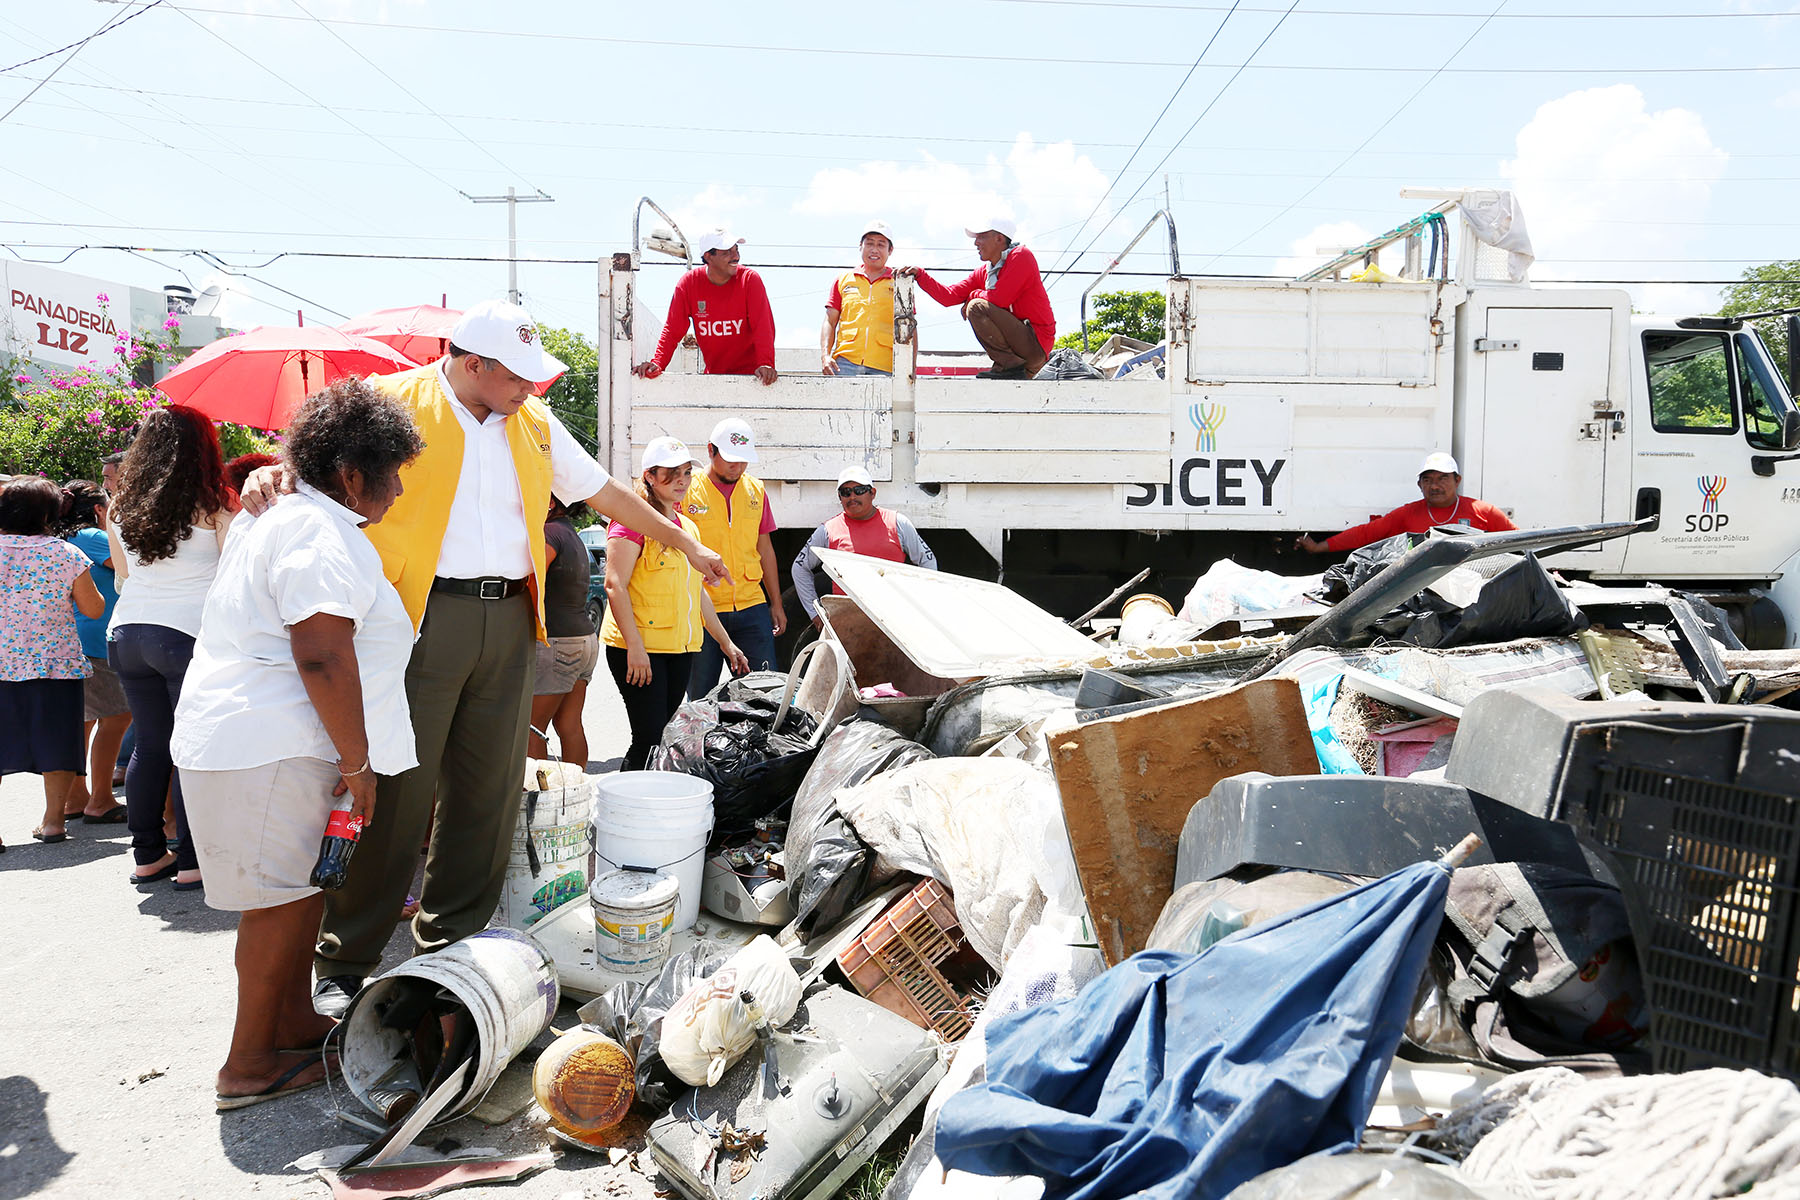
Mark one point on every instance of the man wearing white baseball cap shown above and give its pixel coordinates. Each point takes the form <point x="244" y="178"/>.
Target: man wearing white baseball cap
<point x="464" y="547"/>
<point x="1439" y="480"/>
<point x="857" y="337"/>
<point x="730" y="507"/>
<point x="1003" y="300"/>
<point x="862" y="528"/>
<point x="728" y="307"/>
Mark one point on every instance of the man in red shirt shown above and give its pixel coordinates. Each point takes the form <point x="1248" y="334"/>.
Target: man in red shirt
<point x="1438" y="483"/>
<point x="729" y="309"/>
<point x="1003" y="300"/>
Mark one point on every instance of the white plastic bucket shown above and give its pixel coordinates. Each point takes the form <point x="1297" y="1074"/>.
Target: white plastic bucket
<point x="554" y="827"/>
<point x="502" y="977"/>
<point x="634" y="914"/>
<point x="654" y="821"/>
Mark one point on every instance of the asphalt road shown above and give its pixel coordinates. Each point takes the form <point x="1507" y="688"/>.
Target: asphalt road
<point x="117" y="1015"/>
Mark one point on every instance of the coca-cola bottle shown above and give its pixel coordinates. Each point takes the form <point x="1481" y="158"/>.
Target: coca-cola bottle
<point x="342" y="831"/>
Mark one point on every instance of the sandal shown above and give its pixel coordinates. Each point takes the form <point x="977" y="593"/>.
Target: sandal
<point x="283" y="1086"/>
<point x="112" y="816"/>
<point x="167" y="872"/>
<point x="49" y="838"/>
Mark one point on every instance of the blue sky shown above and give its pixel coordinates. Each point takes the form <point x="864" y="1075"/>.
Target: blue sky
<point x="293" y="139"/>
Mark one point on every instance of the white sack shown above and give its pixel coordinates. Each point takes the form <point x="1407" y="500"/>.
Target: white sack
<point x="1228" y="589"/>
<point x="989" y="829"/>
<point x="709" y="1028"/>
<point x="1498" y="221"/>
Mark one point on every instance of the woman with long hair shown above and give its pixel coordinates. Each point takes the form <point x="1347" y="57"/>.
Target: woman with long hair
<point x="105" y="714"/>
<point x="41" y="664"/>
<point x="656" y="607"/>
<point x="169" y="524"/>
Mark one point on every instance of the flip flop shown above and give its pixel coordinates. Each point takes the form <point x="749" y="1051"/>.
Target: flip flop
<point x="112" y="816"/>
<point x="48" y="838"/>
<point x="167" y="872"/>
<point x="274" y="1091"/>
<point x="192" y="885"/>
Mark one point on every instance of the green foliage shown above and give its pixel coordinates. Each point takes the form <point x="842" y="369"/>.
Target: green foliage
<point x="1772" y="285"/>
<point x="61" y="421"/>
<point x="1690" y="384"/>
<point x="1135" y="314"/>
<point x="575" y="397"/>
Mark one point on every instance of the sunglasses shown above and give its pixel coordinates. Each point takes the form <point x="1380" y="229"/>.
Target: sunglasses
<point x="861" y="489"/>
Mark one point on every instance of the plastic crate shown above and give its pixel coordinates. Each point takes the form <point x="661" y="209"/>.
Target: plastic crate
<point x="895" y="961"/>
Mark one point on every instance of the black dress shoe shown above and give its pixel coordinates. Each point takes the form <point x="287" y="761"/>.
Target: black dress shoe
<point x="1002" y="373"/>
<point x="332" y="995"/>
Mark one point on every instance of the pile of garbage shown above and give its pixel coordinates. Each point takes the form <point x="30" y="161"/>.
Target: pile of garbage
<point x="1433" y="876"/>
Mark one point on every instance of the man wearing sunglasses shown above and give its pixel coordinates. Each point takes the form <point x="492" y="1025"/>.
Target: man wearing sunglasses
<point x="862" y="528"/>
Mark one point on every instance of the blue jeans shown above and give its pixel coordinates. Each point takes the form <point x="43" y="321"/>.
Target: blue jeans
<point x="846" y="367"/>
<point x="753" y="629"/>
<point x="152" y="661"/>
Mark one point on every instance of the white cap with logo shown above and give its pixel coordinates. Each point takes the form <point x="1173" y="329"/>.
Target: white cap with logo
<point x="734" y="440"/>
<point x="667" y="452"/>
<point x="854" y="474"/>
<point x="714" y="239"/>
<point x="507" y="334"/>
<point x="998" y="224"/>
<point x="1439" y="462"/>
<point x="876" y="227"/>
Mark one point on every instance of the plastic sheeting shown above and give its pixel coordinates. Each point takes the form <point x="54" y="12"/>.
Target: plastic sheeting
<point x="1228" y="589"/>
<point x="989" y="829"/>
<point x="1182" y="1076"/>
<point x="1359" y="1177"/>
<point x="1498" y="221"/>
<point x="828" y="866"/>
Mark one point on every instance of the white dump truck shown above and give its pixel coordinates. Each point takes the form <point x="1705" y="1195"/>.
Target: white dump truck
<point x="1289" y="406"/>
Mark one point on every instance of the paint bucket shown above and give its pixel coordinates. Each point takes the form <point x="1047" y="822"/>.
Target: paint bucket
<point x="548" y="867"/>
<point x="1140" y="616"/>
<point x="504" y="980"/>
<point x="634" y="915"/>
<point x="585" y="1082"/>
<point x="654" y="821"/>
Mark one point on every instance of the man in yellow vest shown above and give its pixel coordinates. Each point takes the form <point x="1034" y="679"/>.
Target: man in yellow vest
<point x="464" y="547"/>
<point x="858" y="335"/>
<point x="731" y="508"/>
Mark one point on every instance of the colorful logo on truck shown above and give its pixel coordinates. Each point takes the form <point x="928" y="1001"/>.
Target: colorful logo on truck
<point x="1207" y="419"/>
<point x="1711" y="488"/>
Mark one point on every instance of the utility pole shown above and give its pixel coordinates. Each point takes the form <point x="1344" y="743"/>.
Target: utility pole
<point x="512" y="201"/>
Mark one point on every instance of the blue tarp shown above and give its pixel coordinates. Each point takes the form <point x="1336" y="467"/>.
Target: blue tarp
<point x="1181" y="1076"/>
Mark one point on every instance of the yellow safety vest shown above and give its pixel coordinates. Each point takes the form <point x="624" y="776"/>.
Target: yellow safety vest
<point x="732" y="536"/>
<point x="865" y="332"/>
<point x="665" y="599"/>
<point x="411" y="534"/>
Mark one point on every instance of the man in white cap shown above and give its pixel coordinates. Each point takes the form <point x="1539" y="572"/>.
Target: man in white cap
<point x="1003" y="300"/>
<point x="862" y="528"/>
<point x="729" y="309"/>
<point x="464" y="547"/>
<point x="857" y="337"/>
<point x="730" y="507"/>
<point x="1439" y="480"/>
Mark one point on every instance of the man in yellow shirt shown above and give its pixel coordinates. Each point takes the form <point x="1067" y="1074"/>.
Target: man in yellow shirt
<point x="858" y="335"/>
<point x="730" y="507"/>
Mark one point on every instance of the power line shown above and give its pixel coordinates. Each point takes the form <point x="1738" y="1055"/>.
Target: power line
<point x="109" y="27"/>
<point x="111" y="22"/>
<point x="1409" y="15"/>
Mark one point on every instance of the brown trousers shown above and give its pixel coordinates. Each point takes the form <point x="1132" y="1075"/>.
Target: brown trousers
<point x="1007" y="340"/>
<point x="469" y="688"/>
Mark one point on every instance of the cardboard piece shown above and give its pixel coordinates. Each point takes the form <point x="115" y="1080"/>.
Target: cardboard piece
<point x="1128" y="781"/>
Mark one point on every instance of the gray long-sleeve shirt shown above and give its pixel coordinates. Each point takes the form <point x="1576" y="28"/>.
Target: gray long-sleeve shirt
<point x="807" y="561"/>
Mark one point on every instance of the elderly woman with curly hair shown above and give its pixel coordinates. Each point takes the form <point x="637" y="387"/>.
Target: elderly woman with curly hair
<point x="296" y="696"/>
<point x="170" y="521"/>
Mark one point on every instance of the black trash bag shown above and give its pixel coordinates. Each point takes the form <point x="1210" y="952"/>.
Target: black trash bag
<point x="828" y="865"/>
<point x="1522" y="601"/>
<point x="728" y="739"/>
<point x="1363" y="565"/>
<point x="1355" y="1176"/>
<point x="631" y="1014"/>
<point x="1067" y="363"/>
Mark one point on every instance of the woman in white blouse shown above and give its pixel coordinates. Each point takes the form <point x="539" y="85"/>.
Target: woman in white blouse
<point x="296" y="696"/>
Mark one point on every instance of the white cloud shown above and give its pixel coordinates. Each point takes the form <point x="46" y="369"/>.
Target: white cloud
<point x="1593" y="159"/>
<point x="714" y="205"/>
<point x="1322" y="244"/>
<point x="1046" y="188"/>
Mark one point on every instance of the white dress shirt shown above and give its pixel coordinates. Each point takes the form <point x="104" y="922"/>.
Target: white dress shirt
<point x="243" y="703"/>
<point x="488" y="537"/>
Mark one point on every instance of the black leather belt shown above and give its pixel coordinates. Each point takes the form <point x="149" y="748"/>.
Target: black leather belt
<point x="485" y="589"/>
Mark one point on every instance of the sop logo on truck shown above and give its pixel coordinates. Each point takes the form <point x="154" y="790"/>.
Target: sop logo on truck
<point x="1709" y="518"/>
<point x="1235" y="468"/>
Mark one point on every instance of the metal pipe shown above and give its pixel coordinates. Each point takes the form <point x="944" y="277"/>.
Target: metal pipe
<point x="637" y="213"/>
<point x="1174" y="263"/>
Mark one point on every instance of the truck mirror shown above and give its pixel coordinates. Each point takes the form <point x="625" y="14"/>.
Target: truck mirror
<point x="1790" y="430"/>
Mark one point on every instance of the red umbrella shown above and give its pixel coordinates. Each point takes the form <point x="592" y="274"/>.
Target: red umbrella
<point x="258" y="378"/>
<point x="421" y="332"/>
